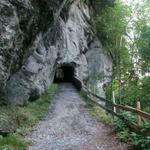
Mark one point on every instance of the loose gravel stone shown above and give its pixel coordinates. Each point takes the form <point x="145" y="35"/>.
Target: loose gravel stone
<point x="68" y="126"/>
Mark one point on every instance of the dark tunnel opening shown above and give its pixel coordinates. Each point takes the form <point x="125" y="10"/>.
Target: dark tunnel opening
<point x="64" y="74"/>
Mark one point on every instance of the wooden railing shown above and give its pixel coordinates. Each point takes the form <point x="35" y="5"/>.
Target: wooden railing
<point x="77" y="82"/>
<point x="114" y="107"/>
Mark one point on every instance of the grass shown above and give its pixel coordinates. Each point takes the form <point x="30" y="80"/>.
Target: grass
<point x="97" y="112"/>
<point x="136" y="141"/>
<point x="16" y="122"/>
<point x="12" y="142"/>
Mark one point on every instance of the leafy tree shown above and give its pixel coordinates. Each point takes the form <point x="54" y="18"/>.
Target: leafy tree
<point x="125" y="33"/>
<point x="143" y="45"/>
<point x="110" y="26"/>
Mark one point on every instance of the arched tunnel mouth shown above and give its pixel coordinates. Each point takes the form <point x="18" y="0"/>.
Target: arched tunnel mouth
<point x="65" y="73"/>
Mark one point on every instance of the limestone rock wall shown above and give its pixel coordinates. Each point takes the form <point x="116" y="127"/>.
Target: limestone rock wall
<point x="39" y="36"/>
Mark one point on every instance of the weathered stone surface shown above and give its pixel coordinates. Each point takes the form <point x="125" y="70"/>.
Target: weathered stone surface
<point x="100" y="66"/>
<point x="10" y="40"/>
<point x="39" y="36"/>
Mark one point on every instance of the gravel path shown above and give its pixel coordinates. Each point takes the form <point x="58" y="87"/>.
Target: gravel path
<point x="69" y="127"/>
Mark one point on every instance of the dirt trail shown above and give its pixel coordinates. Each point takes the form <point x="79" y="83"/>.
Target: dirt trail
<point x="68" y="126"/>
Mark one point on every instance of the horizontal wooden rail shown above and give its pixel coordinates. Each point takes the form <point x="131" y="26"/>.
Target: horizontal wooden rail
<point x="101" y="98"/>
<point x="123" y="107"/>
<point x="134" y="110"/>
<point x="129" y="124"/>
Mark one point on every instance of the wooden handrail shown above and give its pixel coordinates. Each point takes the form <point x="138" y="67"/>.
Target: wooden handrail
<point x="101" y="98"/>
<point x="128" y="108"/>
<point x="134" y="110"/>
<point x="129" y="124"/>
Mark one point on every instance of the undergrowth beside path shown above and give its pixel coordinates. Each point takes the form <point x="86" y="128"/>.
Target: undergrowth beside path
<point x="139" y="141"/>
<point x="16" y="122"/>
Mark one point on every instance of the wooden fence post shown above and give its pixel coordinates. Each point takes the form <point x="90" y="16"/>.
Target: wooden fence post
<point x="89" y="87"/>
<point x="94" y="91"/>
<point x="138" y="116"/>
<point x="90" y="90"/>
<point x="114" y="102"/>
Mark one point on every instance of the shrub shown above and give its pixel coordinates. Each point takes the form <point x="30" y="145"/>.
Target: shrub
<point x="12" y="142"/>
<point x="141" y="140"/>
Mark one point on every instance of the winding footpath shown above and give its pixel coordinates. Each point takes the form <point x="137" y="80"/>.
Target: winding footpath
<point x="68" y="126"/>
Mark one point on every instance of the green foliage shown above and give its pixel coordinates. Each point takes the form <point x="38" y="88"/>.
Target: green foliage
<point x="35" y="111"/>
<point x="145" y="94"/>
<point x="21" y="119"/>
<point x="119" y="125"/>
<point x="139" y="140"/>
<point x="131" y="94"/>
<point x="29" y="115"/>
<point x="137" y="91"/>
<point x="143" y="45"/>
<point x="12" y="142"/>
<point x="125" y="34"/>
<point x="98" y="5"/>
<point x="124" y="135"/>
<point x="142" y="140"/>
<point x="132" y="91"/>
<point x="110" y="25"/>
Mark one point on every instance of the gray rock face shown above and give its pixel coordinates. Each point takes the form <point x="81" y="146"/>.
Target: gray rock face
<point x="35" y="41"/>
<point x="10" y="40"/>
<point x="99" y="66"/>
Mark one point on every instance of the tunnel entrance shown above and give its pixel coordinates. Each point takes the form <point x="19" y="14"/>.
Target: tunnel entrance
<point x="64" y="74"/>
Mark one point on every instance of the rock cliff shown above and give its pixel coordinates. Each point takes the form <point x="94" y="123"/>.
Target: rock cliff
<point x="37" y="37"/>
